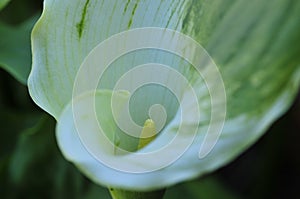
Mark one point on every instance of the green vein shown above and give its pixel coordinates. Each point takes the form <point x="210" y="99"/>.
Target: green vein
<point x="132" y="14"/>
<point x="126" y="7"/>
<point x="80" y="25"/>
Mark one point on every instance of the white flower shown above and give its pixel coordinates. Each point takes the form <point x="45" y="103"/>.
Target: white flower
<point x="260" y="75"/>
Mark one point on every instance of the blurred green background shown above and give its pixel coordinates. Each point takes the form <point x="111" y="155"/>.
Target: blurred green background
<point x="31" y="166"/>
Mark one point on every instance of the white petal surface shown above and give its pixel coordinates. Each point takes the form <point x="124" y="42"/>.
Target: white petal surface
<point x="252" y="43"/>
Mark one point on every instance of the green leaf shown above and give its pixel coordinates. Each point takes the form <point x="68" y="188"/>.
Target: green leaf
<point x="208" y="187"/>
<point x="252" y="42"/>
<point x="10" y="131"/>
<point x="36" y="168"/>
<point x="15" y="56"/>
<point x="3" y="3"/>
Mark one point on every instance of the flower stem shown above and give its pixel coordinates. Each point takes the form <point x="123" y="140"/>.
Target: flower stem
<point x="124" y="194"/>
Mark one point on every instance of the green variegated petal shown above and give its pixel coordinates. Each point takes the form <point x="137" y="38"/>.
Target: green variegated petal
<point x="230" y="144"/>
<point x="63" y="38"/>
<point x="252" y="42"/>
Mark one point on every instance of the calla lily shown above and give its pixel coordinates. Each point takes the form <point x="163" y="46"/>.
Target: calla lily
<point x="252" y="44"/>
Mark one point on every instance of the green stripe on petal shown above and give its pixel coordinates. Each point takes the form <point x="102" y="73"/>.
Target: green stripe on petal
<point x="59" y="48"/>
